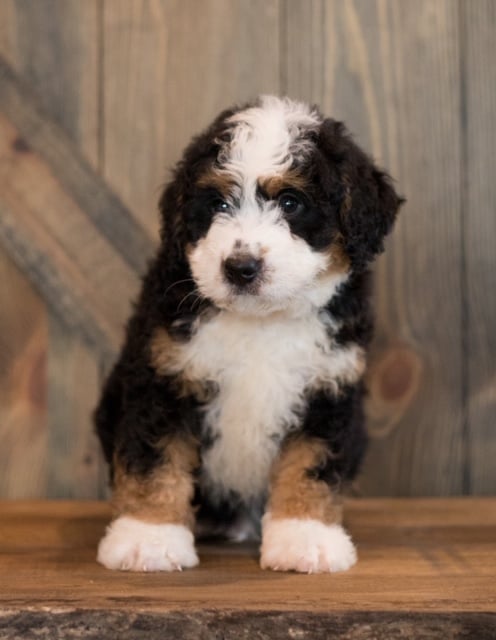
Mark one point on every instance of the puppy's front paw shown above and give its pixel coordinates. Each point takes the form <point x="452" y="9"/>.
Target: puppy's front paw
<point x="307" y="546"/>
<point x="132" y="545"/>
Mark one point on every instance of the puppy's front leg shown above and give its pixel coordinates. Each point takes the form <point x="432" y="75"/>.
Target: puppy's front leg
<point x="153" y="527"/>
<point x="301" y="529"/>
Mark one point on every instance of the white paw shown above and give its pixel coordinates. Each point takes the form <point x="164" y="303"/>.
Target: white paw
<point x="133" y="545"/>
<point x="308" y="546"/>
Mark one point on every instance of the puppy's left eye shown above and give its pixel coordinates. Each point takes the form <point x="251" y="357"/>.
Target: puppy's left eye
<point x="220" y="205"/>
<point x="291" y="203"/>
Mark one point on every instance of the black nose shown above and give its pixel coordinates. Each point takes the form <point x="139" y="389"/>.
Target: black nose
<point x="242" y="270"/>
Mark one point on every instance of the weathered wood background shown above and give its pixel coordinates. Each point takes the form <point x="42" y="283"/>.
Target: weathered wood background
<point x="97" y="99"/>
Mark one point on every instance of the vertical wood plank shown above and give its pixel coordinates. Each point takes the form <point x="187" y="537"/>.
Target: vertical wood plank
<point x="8" y="31"/>
<point x="23" y="415"/>
<point x="54" y="44"/>
<point x="75" y="463"/>
<point x="169" y="67"/>
<point x="23" y="347"/>
<point x="417" y="374"/>
<point x="391" y="71"/>
<point x="305" y="54"/>
<point x="478" y="23"/>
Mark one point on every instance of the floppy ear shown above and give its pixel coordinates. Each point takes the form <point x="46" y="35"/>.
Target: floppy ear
<point x="172" y="221"/>
<point x="176" y="297"/>
<point x="367" y="202"/>
<point x="201" y="151"/>
<point x="175" y="288"/>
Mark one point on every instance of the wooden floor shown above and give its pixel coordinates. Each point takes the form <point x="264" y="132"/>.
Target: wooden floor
<point x="427" y="569"/>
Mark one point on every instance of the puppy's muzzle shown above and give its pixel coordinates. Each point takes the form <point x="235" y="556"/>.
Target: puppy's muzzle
<point x="242" y="270"/>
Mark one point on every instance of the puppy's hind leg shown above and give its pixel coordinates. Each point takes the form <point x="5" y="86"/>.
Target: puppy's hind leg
<point x="153" y="527"/>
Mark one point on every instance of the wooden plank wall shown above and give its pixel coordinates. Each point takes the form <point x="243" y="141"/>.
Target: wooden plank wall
<point x="107" y="93"/>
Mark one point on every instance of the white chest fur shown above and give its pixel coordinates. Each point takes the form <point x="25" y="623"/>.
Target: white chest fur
<point x="262" y="368"/>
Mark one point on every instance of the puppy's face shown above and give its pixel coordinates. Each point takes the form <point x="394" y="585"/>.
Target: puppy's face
<point x="274" y="206"/>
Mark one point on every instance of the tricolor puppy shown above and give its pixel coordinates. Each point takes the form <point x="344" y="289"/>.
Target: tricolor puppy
<point x="236" y="404"/>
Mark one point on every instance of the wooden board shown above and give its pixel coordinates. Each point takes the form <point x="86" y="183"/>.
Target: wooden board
<point x="23" y="348"/>
<point x="23" y="396"/>
<point x="37" y="39"/>
<point x="76" y="468"/>
<point x="64" y="35"/>
<point x="479" y="234"/>
<point x="426" y="570"/>
<point x="37" y="133"/>
<point x="369" y="66"/>
<point x="112" y="91"/>
<point x="52" y="239"/>
<point x="54" y="44"/>
<point x="169" y="67"/>
<point x="417" y="373"/>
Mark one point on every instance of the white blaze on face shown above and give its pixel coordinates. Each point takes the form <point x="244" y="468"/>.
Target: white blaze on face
<point x="267" y="138"/>
<point x="265" y="142"/>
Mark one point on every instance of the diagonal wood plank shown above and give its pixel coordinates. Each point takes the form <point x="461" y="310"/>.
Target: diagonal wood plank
<point x="38" y="38"/>
<point x="35" y="39"/>
<point x="74" y="174"/>
<point x="54" y="46"/>
<point x="51" y="238"/>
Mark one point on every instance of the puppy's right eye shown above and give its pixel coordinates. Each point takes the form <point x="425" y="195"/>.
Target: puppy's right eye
<point x="291" y="203"/>
<point x="219" y="205"/>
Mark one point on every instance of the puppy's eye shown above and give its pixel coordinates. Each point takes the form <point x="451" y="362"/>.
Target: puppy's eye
<point x="220" y="205"/>
<point x="291" y="203"/>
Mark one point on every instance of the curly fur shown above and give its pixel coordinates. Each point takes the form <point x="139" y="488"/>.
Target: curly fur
<point x="249" y="369"/>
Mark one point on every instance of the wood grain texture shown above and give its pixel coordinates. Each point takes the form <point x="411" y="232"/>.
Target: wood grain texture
<point x="47" y="231"/>
<point x="23" y="395"/>
<point x="111" y="91"/>
<point x="75" y="175"/>
<point x="419" y="287"/>
<point x="169" y="67"/>
<point x="8" y="30"/>
<point x="64" y="35"/>
<point x="373" y="59"/>
<point x="59" y="114"/>
<point x="426" y="570"/>
<point x="478" y="24"/>
<point x="54" y="44"/>
<point x="52" y="239"/>
<point x="76" y="468"/>
<point x="23" y="346"/>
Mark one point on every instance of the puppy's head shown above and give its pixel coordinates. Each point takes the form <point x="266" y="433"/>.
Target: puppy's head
<point x="272" y="208"/>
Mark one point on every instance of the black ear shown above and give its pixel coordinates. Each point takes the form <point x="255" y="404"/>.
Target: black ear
<point x="201" y="152"/>
<point x="171" y="206"/>
<point x="366" y="201"/>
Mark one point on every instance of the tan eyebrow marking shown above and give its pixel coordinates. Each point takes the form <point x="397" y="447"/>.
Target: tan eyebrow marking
<point x="273" y="185"/>
<point x="220" y="180"/>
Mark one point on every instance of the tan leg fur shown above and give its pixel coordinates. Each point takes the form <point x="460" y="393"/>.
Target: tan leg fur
<point x="293" y="493"/>
<point x="165" y="495"/>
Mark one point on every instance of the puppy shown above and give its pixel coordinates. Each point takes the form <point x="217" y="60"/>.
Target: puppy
<point x="235" y="406"/>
